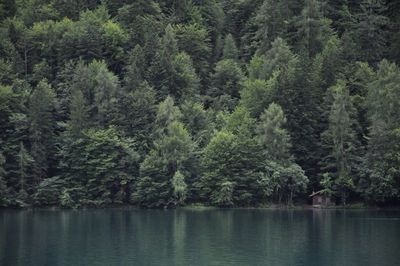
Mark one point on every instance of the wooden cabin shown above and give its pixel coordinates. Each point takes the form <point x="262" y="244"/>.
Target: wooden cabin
<point x="321" y="200"/>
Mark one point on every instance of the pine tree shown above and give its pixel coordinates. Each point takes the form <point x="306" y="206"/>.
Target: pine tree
<point x="273" y="137"/>
<point x="340" y="140"/>
<point x="371" y="30"/>
<point x="161" y="71"/>
<point x="383" y="148"/>
<point x="225" y="85"/>
<point x="79" y="117"/>
<point x="198" y="121"/>
<point x="194" y="40"/>
<point x="25" y="162"/>
<point x="105" y="94"/>
<point x="313" y="29"/>
<point x="273" y="21"/>
<point x="186" y="84"/>
<point x="167" y="113"/>
<point x="135" y="70"/>
<point x="258" y="94"/>
<point x="41" y="118"/>
<point x="100" y="88"/>
<point x="137" y="111"/>
<point x="230" y="50"/>
<point x="288" y="75"/>
<point x="280" y="174"/>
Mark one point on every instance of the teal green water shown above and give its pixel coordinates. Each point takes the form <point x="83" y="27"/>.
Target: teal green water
<point x="199" y="237"/>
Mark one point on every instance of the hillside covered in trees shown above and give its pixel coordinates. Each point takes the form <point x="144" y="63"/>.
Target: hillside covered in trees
<point x="159" y="103"/>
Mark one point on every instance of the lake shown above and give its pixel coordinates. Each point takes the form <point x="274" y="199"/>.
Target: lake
<point x="199" y="237"/>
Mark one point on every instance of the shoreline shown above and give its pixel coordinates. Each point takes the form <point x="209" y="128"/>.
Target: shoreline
<point x="206" y="207"/>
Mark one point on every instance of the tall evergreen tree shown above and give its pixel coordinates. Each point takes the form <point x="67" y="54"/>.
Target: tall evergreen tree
<point x="79" y="117"/>
<point x="383" y="148"/>
<point x="230" y="50"/>
<point x="226" y="85"/>
<point x="41" y="118"/>
<point x="371" y="30"/>
<point x="280" y="174"/>
<point x="273" y="20"/>
<point x="313" y="29"/>
<point x="340" y="140"/>
<point x="137" y="111"/>
<point x="25" y="162"/>
<point x="135" y="70"/>
<point x="273" y="137"/>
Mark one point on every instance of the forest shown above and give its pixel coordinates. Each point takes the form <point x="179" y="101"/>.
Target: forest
<point x="163" y="103"/>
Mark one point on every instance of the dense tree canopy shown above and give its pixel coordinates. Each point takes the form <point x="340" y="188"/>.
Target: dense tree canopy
<point x="228" y="103"/>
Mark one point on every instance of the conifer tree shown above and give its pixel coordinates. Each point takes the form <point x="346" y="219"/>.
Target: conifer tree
<point x="371" y="30"/>
<point x="79" y="117"/>
<point x="273" y="137"/>
<point x="273" y="21"/>
<point x="340" y="140"/>
<point x="225" y="85"/>
<point x="135" y="70"/>
<point x="280" y="174"/>
<point x="313" y="29"/>
<point x="230" y="50"/>
<point x="383" y="148"/>
<point x="41" y="118"/>
<point x="137" y="111"/>
<point x="161" y="71"/>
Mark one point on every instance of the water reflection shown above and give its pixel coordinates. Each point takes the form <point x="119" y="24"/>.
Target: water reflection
<point x="199" y="237"/>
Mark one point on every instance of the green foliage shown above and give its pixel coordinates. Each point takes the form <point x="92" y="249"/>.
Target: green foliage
<point x="198" y="121"/>
<point x="195" y="41"/>
<point x="100" y="162"/>
<point x="383" y="148"/>
<point x="41" y="128"/>
<point x="290" y="180"/>
<point x="79" y="117"/>
<point x="134" y="71"/>
<point x="173" y="152"/>
<point x="371" y="30"/>
<point x="232" y="103"/>
<point x="179" y="187"/>
<point x="167" y="113"/>
<point x="48" y="192"/>
<point x="231" y="156"/>
<point x="66" y="200"/>
<point x="230" y="50"/>
<point x="186" y="82"/>
<point x="272" y="135"/>
<point x="223" y="196"/>
<point x="257" y="95"/>
<point x="24" y="173"/>
<point x="226" y="85"/>
<point x="313" y="29"/>
<point x="172" y="72"/>
<point x="137" y="111"/>
<point x="341" y="142"/>
<point x="272" y="20"/>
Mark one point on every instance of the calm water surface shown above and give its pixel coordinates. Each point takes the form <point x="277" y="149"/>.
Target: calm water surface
<point x="199" y="237"/>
